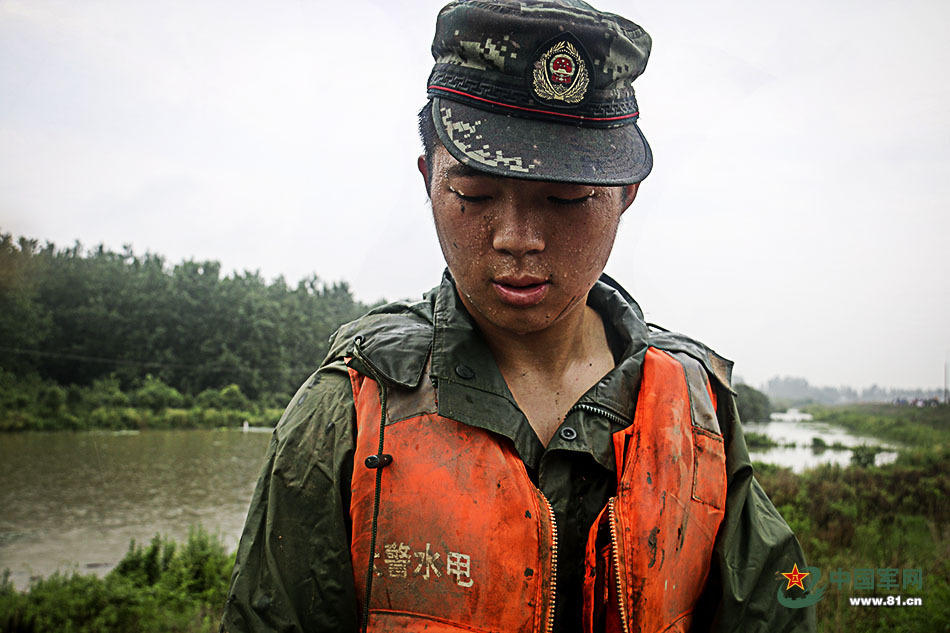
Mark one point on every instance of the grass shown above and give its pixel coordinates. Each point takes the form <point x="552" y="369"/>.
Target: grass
<point x="163" y="587"/>
<point x="907" y="425"/>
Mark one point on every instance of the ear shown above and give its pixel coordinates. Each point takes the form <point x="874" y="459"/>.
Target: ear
<point x="629" y="195"/>
<point x="424" y="170"/>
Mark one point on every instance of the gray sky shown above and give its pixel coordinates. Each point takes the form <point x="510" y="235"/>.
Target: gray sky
<point x="795" y="219"/>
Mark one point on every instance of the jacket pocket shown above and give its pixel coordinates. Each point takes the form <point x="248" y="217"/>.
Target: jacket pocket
<point x="709" y="468"/>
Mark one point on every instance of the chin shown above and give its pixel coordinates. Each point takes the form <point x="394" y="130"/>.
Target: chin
<point x="521" y="320"/>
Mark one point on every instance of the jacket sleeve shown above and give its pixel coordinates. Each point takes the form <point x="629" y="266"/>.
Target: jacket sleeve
<point x="753" y="547"/>
<point x="293" y="571"/>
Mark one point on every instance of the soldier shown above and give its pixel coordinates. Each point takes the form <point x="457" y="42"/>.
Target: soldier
<point x="518" y="451"/>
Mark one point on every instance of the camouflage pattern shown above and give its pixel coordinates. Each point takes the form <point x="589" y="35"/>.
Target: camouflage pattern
<point x="540" y="90"/>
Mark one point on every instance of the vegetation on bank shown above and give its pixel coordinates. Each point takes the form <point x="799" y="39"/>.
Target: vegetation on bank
<point x="906" y="424"/>
<point x="32" y="404"/>
<point x="161" y="588"/>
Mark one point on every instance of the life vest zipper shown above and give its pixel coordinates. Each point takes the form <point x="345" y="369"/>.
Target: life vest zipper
<point x="610" y="415"/>
<point x="549" y="624"/>
<point x="615" y="556"/>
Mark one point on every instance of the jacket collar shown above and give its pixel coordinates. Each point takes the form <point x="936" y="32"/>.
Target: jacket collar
<point x="472" y="390"/>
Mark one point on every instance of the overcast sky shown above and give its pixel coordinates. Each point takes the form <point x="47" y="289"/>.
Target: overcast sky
<point x="795" y="220"/>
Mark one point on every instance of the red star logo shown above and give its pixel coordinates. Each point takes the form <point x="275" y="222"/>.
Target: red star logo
<point x="795" y="578"/>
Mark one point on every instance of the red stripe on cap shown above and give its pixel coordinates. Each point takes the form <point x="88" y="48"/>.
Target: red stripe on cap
<point x="557" y="114"/>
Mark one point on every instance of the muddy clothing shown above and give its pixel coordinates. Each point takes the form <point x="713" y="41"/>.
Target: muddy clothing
<point x="294" y="571"/>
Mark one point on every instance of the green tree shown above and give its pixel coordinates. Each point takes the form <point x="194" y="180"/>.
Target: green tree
<point x="24" y="321"/>
<point x="74" y="316"/>
<point x="156" y="395"/>
<point x="753" y="405"/>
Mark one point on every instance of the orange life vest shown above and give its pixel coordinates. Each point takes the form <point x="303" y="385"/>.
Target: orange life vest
<point x="466" y="542"/>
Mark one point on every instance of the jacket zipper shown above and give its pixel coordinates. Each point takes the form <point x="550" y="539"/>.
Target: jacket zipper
<point x="615" y="555"/>
<point x="549" y="625"/>
<point x="589" y="408"/>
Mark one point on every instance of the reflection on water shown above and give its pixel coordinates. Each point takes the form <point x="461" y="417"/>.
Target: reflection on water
<point x="74" y="500"/>
<point x="802" y="434"/>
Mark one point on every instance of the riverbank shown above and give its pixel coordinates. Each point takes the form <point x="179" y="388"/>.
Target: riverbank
<point x="909" y="425"/>
<point x="164" y="587"/>
<point x="31" y="404"/>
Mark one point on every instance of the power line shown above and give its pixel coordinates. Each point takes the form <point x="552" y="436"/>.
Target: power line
<point x="138" y="363"/>
<point x="97" y="359"/>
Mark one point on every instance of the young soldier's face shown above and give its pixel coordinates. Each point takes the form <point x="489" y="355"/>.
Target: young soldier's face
<point x="524" y="254"/>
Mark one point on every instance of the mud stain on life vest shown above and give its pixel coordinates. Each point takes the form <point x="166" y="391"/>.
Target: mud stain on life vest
<point x="651" y="544"/>
<point x="681" y="532"/>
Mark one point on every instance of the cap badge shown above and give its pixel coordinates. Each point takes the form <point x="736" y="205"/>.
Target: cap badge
<point x="560" y="74"/>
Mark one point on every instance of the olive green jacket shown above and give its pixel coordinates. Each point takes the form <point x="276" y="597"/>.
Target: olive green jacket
<point x="293" y="570"/>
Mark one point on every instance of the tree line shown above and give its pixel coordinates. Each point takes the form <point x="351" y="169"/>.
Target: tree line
<point x="124" y="330"/>
<point x="74" y="316"/>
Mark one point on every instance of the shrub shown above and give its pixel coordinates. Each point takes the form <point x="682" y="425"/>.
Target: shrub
<point x="232" y="398"/>
<point x="156" y="395"/>
<point x="52" y="399"/>
<point x="178" y="419"/>
<point x="106" y="392"/>
<point x="229" y="397"/>
<point x="160" y="588"/>
<point x="209" y="399"/>
<point x="759" y="440"/>
<point x="863" y="456"/>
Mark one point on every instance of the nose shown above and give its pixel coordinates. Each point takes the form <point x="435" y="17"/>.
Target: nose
<point x="517" y="229"/>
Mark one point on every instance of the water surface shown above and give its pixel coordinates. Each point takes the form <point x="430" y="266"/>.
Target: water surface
<point x="74" y="500"/>
<point x="802" y="433"/>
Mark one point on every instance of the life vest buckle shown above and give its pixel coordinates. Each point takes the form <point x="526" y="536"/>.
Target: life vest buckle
<point x="378" y="461"/>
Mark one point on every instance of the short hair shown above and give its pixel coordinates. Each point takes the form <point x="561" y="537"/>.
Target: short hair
<point x="428" y="135"/>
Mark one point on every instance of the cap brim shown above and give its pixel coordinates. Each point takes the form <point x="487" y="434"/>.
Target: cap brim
<point x="533" y="149"/>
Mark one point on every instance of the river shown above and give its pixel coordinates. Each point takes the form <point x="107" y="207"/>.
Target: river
<point x="796" y="433"/>
<point x="74" y="500"/>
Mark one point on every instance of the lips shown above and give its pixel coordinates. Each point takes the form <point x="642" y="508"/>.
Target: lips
<point x="521" y="291"/>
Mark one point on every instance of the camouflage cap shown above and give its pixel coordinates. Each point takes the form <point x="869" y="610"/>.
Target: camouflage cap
<point x="540" y="89"/>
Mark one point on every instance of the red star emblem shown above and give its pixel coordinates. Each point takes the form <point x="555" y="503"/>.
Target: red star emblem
<point x="795" y="578"/>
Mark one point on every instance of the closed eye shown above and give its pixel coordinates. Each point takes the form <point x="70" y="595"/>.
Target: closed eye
<point x="567" y="201"/>
<point x="466" y="198"/>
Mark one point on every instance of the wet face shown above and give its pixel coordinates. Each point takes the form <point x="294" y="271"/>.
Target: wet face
<point x="524" y="254"/>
